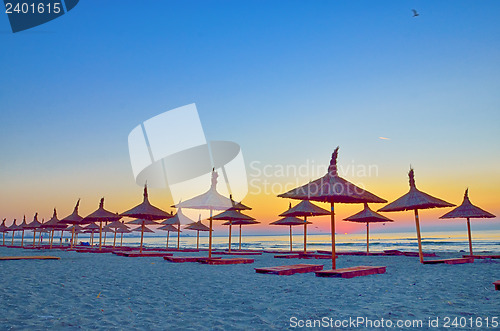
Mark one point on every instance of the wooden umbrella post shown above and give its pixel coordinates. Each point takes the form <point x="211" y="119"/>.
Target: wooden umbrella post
<point x="178" y="236"/>
<point x="197" y="239"/>
<point x="60" y="241"/>
<point x="142" y="236"/>
<point x="305" y="234"/>
<point x="240" y="239"/>
<point x="291" y="239"/>
<point x="210" y="237"/>
<point x="332" y="225"/>
<point x="22" y="239"/>
<point x="367" y="238"/>
<point x="419" y="238"/>
<point x="100" y="235"/>
<point x="34" y="236"/>
<point x="230" y="231"/>
<point x="470" y="236"/>
<point x="121" y="240"/>
<point x="51" y="238"/>
<point x="72" y="236"/>
<point x="12" y="243"/>
<point x="168" y="236"/>
<point x="92" y="239"/>
<point x="114" y="239"/>
<point x="105" y="233"/>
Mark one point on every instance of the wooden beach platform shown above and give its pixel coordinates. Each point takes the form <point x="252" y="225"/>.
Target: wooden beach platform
<point x="288" y="270"/>
<point x="5" y="258"/>
<point x="237" y="253"/>
<point x="497" y="285"/>
<point x="182" y="259"/>
<point x="303" y="256"/>
<point x="482" y="256"/>
<point x="451" y="261"/>
<point x="143" y="254"/>
<point x="219" y="261"/>
<point x="351" y="272"/>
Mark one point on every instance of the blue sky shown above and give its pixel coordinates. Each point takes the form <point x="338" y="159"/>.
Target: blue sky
<point x="287" y="80"/>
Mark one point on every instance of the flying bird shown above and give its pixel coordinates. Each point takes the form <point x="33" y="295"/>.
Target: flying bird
<point x="415" y="13"/>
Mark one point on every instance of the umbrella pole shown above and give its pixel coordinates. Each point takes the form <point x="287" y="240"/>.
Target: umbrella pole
<point x="22" y="239"/>
<point x="367" y="238"/>
<point x="240" y="237"/>
<point x="12" y="243"/>
<point x="305" y="234"/>
<point x="92" y="239"/>
<point x="291" y="239"/>
<point x="76" y="239"/>
<point x="210" y="237"/>
<point x="3" y="240"/>
<point x="470" y="236"/>
<point x="52" y="238"/>
<point x="34" y="235"/>
<point x="100" y="235"/>
<point x="72" y="237"/>
<point x="105" y="233"/>
<point x="197" y="239"/>
<point x="60" y="242"/>
<point x="168" y="235"/>
<point x="142" y="236"/>
<point x="114" y="240"/>
<point x="419" y="238"/>
<point x="230" y="230"/>
<point x="121" y="240"/>
<point x="178" y="236"/>
<point x="332" y="225"/>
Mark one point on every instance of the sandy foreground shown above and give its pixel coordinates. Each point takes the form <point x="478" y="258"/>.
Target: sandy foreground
<point x="104" y="291"/>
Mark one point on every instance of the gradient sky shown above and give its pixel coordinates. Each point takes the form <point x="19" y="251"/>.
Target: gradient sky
<point x="287" y="80"/>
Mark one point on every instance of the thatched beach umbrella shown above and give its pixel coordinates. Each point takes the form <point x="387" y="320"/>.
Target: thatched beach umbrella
<point x="367" y="216"/>
<point x="122" y="230"/>
<point x="169" y="228"/>
<point x="53" y="224"/>
<point x="305" y="209"/>
<point x="333" y="189"/>
<point x="210" y="200"/>
<point x="177" y="219"/>
<point x="240" y="223"/>
<point x="232" y="215"/>
<point x="34" y="225"/>
<point x="101" y="215"/>
<point x="75" y="230"/>
<point x="91" y="228"/>
<point x="142" y="223"/>
<point x="13" y="228"/>
<point x="468" y="210"/>
<point x="3" y="229"/>
<point x="415" y="200"/>
<point x="114" y="226"/>
<point x="22" y="227"/>
<point x="142" y="229"/>
<point x="290" y="221"/>
<point x="197" y="226"/>
<point x="73" y="219"/>
<point x="146" y="211"/>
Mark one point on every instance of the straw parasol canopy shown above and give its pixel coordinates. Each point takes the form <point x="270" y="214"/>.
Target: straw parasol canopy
<point x="415" y="200"/>
<point x="332" y="189"/>
<point x="101" y="215"/>
<point x="3" y="229"/>
<point x="13" y="228"/>
<point x="142" y="229"/>
<point x="467" y="210"/>
<point x="34" y="225"/>
<point x="210" y="200"/>
<point x="114" y="226"/>
<point x="240" y="223"/>
<point x="22" y="227"/>
<point x="53" y="224"/>
<point x="177" y="219"/>
<point x="145" y="211"/>
<point x="367" y="216"/>
<point x="123" y="230"/>
<point x="74" y="218"/>
<point x="231" y="215"/>
<point x="169" y="228"/>
<point x="305" y="209"/>
<point x="290" y="221"/>
<point x="237" y="205"/>
<point x="91" y="228"/>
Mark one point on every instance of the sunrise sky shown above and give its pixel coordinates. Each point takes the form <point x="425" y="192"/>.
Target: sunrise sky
<point x="287" y="80"/>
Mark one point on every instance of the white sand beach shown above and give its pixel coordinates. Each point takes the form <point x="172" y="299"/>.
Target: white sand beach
<point x="105" y="291"/>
